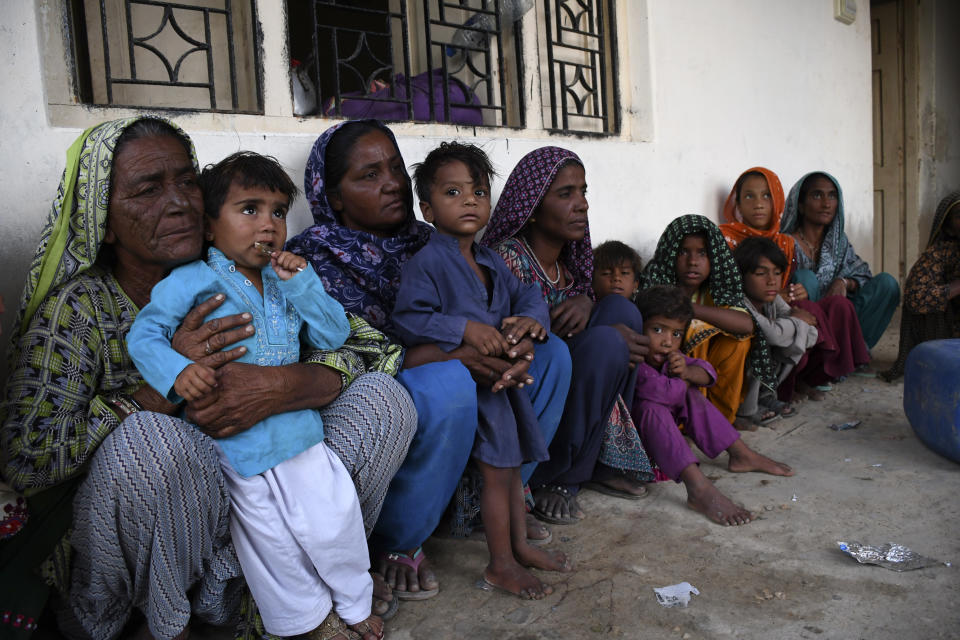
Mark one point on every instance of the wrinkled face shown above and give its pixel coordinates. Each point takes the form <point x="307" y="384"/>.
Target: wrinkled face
<point x="155" y="212"/>
<point x="247" y="216"/>
<point x="458" y="206"/>
<point x="763" y="283"/>
<point x="693" y="263"/>
<point x="819" y="206"/>
<point x="666" y="336"/>
<point x="755" y="203"/>
<point x="373" y="193"/>
<point x="621" y="280"/>
<point x="562" y="214"/>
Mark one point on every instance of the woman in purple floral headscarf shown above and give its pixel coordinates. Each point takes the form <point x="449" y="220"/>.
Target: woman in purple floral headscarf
<point x="364" y="232"/>
<point x="540" y="227"/>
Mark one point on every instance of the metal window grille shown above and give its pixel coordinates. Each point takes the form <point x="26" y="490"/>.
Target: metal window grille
<point x="429" y="60"/>
<point x="182" y="55"/>
<point x="581" y="66"/>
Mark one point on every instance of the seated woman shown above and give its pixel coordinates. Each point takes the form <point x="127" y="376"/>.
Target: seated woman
<point x="693" y="255"/>
<point x="76" y="412"/>
<point x="541" y="229"/>
<point x="931" y="297"/>
<point x="364" y="232"/>
<point x="754" y="209"/>
<point x="826" y="262"/>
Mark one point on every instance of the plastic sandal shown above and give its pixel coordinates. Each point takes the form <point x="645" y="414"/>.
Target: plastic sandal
<point x="568" y="497"/>
<point x="414" y="562"/>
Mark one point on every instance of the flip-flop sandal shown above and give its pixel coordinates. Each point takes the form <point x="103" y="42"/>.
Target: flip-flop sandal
<point x="567" y="497"/>
<point x="392" y="605"/>
<point x="414" y="563"/>
<point x="333" y="628"/>
<point x="485" y="585"/>
<point x="781" y="408"/>
<point x="599" y="487"/>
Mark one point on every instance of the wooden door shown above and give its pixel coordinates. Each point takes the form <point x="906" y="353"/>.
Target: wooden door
<point x="889" y="220"/>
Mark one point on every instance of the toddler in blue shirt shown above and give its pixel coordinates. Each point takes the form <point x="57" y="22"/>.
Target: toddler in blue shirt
<point x="295" y="517"/>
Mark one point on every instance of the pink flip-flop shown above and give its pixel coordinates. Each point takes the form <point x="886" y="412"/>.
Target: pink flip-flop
<point x="414" y="562"/>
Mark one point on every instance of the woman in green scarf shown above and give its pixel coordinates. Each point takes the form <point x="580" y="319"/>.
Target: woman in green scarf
<point x="127" y="505"/>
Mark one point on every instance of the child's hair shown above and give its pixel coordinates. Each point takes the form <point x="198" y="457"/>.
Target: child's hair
<point x="743" y="178"/>
<point x="612" y="253"/>
<point x="666" y="301"/>
<point x="248" y="169"/>
<point x="477" y="162"/>
<point x="748" y="254"/>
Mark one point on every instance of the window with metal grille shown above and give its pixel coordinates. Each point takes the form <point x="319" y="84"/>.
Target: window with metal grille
<point x="428" y="61"/>
<point x="450" y="61"/>
<point x="197" y="55"/>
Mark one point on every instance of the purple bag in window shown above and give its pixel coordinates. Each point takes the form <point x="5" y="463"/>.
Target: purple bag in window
<point x="358" y="105"/>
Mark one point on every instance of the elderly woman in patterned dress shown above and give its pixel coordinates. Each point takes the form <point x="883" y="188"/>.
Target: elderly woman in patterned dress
<point x="149" y="522"/>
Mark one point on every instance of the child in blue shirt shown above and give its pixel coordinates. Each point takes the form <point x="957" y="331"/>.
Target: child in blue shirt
<point x="295" y="517"/>
<point x="453" y="292"/>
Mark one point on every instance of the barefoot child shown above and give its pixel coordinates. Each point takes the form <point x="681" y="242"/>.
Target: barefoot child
<point x="754" y="209"/>
<point x="667" y="394"/>
<point x="295" y="517"/>
<point x="693" y="255"/>
<point x="455" y="292"/>
<point x="616" y="269"/>
<point x="790" y="331"/>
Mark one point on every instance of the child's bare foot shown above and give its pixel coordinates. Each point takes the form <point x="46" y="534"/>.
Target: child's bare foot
<point x="709" y="501"/>
<point x="369" y="629"/>
<point x="744" y="459"/>
<point x="537" y="532"/>
<point x="530" y="556"/>
<point x="516" y="580"/>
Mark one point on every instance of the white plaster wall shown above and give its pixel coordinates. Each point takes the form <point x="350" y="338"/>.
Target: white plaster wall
<point x="939" y="107"/>
<point x="734" y="84"/>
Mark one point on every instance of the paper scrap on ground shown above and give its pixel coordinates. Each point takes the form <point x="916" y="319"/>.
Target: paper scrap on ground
<point x="893" y="556"/>
<point x="676" y="595"/>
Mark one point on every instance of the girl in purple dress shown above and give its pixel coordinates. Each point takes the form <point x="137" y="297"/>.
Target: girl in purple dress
<point x="668" y="394"/>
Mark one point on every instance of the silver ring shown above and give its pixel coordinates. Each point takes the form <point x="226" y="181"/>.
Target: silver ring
<point x="208" y="350"/>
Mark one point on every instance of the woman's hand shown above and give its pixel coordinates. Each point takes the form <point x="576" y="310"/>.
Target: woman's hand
<point x="794" y="293"/>
<point x="246" y="394"/>
<point x="203" y="342"/>
<point x="837" y="288"/>
<point x="515" y="328"/>
<point x="570" y="317"/>
<point x="484" y="338"/>
<point x="637" y="343"/>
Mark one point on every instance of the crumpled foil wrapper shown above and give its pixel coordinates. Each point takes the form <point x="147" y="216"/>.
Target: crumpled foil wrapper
<point x="893" y="556"/>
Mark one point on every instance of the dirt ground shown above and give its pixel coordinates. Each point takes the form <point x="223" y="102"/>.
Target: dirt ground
<point x="782" y="576"/>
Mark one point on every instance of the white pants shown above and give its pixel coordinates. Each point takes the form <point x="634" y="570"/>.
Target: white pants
<point x="299" y="535"/>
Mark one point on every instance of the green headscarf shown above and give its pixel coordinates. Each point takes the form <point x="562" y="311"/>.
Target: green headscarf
<point x="724" y="282"/>
<point x="69" y="244"/>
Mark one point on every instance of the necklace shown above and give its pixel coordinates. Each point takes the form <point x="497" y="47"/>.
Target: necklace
<point x="556" y="265"/>
<point x="814" y="249"/>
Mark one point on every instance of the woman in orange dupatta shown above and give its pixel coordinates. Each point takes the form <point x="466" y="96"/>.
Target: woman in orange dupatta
<point x="753" y="209"/>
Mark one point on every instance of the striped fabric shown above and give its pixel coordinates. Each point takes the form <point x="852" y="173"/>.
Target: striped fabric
<point x="151" y="520"/>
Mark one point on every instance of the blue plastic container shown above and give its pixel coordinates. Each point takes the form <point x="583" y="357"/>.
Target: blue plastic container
<point x="931" y="395"/>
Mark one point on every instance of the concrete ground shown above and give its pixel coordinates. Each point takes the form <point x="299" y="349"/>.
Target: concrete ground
<point x="782" y="576"/>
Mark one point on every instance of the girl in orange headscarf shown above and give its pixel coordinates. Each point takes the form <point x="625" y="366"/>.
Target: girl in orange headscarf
<point x="754" y="208"/>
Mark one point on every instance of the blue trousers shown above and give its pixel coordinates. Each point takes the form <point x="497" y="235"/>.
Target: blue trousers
<point x="874" y="302"/>
<point x="446" y="400"/>
<point x="601" y="372"/>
